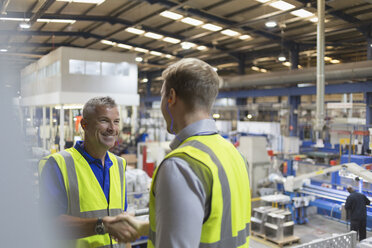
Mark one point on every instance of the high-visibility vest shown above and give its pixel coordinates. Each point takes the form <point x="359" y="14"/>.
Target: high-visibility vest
<point x="227" y="225"/>
<point x="86" y="198"/>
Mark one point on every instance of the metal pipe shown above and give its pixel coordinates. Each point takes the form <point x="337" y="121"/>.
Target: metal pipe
<point x="320" y="86"/>
<point x="347" y="71"/>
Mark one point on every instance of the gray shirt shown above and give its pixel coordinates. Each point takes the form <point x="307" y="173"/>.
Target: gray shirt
<point x="182" y="199"/>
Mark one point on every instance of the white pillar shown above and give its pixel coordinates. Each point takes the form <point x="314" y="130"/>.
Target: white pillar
<point x="61" y="128"/>
<point x="44" y="129"/>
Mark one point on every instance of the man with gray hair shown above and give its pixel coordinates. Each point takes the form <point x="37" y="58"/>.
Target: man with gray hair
<point x="356" y="206"/>
<point x="85" y="187"/>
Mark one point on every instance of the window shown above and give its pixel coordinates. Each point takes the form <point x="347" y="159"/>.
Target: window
<point x="122" y="69"/>
<point x="92" y="68"/>
<point x="76" y="66"/>
<point x="108" y="69"/>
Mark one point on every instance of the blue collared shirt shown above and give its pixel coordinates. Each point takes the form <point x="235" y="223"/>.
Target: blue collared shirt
<point x="53" y="191"/>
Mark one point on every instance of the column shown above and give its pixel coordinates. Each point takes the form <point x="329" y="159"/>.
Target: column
<point x="294" y="102"/>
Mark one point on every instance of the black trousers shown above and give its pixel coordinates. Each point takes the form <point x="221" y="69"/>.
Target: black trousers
<point x="360" y="227"/>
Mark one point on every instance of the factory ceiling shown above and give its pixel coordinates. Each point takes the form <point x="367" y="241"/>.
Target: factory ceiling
<point x="236" y="36"/>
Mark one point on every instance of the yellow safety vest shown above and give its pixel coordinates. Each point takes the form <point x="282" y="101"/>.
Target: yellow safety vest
<point x="227" y="225"/>
<point x="86" y="198"/>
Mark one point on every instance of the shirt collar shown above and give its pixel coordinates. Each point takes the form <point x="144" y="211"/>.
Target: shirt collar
<point x="202" y="127"/>
<point x="79" y="146"/>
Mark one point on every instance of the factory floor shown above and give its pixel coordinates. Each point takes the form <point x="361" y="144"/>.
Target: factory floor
<point x="318" y="227"/>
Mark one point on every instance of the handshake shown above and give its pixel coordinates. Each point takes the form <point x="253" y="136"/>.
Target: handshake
<point x="125" y="227"/>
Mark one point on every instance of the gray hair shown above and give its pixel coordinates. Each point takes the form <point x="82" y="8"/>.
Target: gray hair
<point x="89" y="108"/>
<point x="194" y="81"/>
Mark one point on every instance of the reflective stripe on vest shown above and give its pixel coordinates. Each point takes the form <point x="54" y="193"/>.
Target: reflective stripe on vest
<point x="72" y="158"/>
<point x="226" y="239"/>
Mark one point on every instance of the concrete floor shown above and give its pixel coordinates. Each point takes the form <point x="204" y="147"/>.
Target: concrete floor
<point x="318" y="227"/>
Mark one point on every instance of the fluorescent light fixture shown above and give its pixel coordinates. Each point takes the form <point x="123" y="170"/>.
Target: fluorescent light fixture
<point x="282" y="58"/>
<point x="263" y="70"/>
<point x="156" y="53"/>
<point x="230" y="32"/>
<point x="302" y="13"/>
<point x="145" y="80"/>
<point x="215" y="68"/>
<point x="271" y="24"/>
<point x="153" y="35"/>
<point x="171" y="40"/>
<point x="211" y="27"/>
<point x="327" y="58"/>
<point x="3" y="50"/>
<point x="134" y="31"/>
<point x="192" y="21"/>
<point x="287" y="63"/>
<point x="244" y="37"/>
<point x="139" y="59"/>
<point x="77" y="106"/>
<point x="57" y="20"/>
<point x="201" y="48"/>
<point x="24" y="25"/>
<point x="255" y="68"/>
<point x="314" y="19"/>
<point x="14" y="19"/>
<point x="168" y="56"/>
<point x="108" y="42"/>
<point x="216" y="116"/>
<point x="125" y="46"/>
<point x="282" y="5"/>
<point x="83" y="1"/>
<point x="249" y="116"/>
<point x="141" y="50"/>
<point x="187" y="45"/>
<point x="171" y="15"/>
<point x="262" y="1"/>
<point x="335" y="61"/>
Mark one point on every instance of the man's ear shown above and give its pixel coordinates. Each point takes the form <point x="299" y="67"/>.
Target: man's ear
<point x="172" y="97"/>
<point x="83" y="124"/>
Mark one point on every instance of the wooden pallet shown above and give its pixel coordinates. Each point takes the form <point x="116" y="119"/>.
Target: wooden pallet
<point x="280" y="243"/>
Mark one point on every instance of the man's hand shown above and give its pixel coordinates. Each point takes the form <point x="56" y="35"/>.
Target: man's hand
<point x="142" y="227"/>
<point x="120" y="229"/>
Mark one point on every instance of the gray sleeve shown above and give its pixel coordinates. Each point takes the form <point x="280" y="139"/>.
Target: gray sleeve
<point x="180" y="205"/>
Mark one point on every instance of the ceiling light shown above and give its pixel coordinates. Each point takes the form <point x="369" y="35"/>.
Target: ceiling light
<point x="263" y="70"/>
<point x="282" y="5"/>
<point x="171" y="15"/>
<point x="302" y="13"/>
<point x="249" y="116"/>
<point x="282" y="57"/>
<point x="134" y="30"/>
<point x="211" y="27"/>
<point x="125" y="46"/>
<point x="215" y="68"/>
<point x="216" y="116"/>
<point x="156" y="53"/>
<point x="139" y="59"/>
<point x="83" y="1"/>
<point x="244" y="37"/>
<point x="230" y="32"/>
<point x="187" y="45"/>
<point x="3" y="50"/>
<point x="263" y="1"/>
<point x="14" y="19"/>
<point x="299" y="66"/>
<point x="168" y="56"/>
<point x="171" y="40"/>
<point x="370" y="45"/>
<point x="314" y="19"/>
<point x="145" y="80"/>
<point x="201" y="48"/>
<point x="24" y="25"/>
<point x="327" y="58"/>
<point x="192" y="21"/>
<point x="287" y="63"/>
<point x="141" y="50"/>
<point x="57" y="20"/>
<point x="153" y="35"/>
<point x="255" y="68"/>
<point x="335" y="61"/>
<point x="108" y="42"/>
<point x="271" y="24"/>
